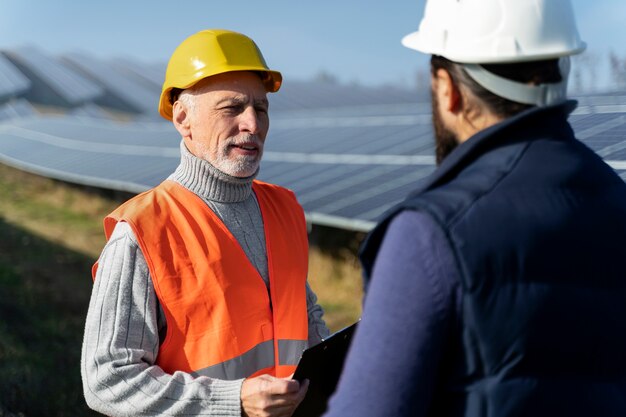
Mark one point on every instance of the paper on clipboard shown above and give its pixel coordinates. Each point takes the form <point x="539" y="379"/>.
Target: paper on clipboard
<point x="321" y="365"/>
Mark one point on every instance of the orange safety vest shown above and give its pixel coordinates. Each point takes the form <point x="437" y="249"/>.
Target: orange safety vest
<point x="221" y="321"/>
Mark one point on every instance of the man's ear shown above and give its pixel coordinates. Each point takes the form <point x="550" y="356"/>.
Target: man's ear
<point x="181" y="119"/>
<point x="447" y="91"/>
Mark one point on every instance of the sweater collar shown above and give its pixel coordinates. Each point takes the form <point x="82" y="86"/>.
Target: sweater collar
<point x="208" y="182"/>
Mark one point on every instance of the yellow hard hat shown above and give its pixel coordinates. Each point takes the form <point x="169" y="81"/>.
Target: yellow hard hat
<point x="211" y="52"/>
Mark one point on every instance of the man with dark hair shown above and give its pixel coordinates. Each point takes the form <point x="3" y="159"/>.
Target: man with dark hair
<point x="498" y="287"/>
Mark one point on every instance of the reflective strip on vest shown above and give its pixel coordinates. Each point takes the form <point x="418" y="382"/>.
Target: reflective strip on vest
<point x="290" y="351"/>
<point x="259" y="357"/>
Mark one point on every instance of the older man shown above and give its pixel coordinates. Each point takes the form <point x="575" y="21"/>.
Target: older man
<point x="200" y="303"/>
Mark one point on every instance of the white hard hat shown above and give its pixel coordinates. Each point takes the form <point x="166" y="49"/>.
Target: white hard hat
<point x="497" y="31"/>
<point x="472" y="32"/>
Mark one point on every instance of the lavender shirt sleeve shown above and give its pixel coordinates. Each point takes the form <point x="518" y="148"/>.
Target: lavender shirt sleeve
<point x="408" y="317"/>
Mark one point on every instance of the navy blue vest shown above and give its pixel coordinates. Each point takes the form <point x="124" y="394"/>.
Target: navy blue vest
<point x="537" y="224"/>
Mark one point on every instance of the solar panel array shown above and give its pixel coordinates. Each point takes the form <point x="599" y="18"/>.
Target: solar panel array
<point x="348" y="152"/>
<point x="16" y="108"/>
<point x="68" y="84"/>
<point x="137" y="96"/>
<point x="12" y="81"/>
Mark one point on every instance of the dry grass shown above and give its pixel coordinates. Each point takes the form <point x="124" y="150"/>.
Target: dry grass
<point x="65" y="215"/>
<point x="337" y="283"/>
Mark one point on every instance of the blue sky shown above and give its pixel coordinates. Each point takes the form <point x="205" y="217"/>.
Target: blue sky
<point x="356" y="41"/>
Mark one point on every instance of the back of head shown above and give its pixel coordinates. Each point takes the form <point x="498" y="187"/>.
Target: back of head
<point x="545" y="72"/>
<point x="511" y="54"/>
<point x="212" y="52"/>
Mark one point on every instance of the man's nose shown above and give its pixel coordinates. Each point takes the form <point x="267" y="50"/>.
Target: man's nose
<point x="249" y="121"/>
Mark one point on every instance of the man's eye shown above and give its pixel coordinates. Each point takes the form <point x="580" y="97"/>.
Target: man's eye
<point x="232" y="109"/>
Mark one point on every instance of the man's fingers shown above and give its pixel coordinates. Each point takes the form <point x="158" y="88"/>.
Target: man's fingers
<point x="304" y="386"/>
<point x="268" y="395"/>
<point x="281" y="386"/>
<point x="292" y="399"/>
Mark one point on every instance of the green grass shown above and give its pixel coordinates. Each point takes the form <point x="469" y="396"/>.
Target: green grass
<point x="50" y="235"/>
<point x="43" y="301"/>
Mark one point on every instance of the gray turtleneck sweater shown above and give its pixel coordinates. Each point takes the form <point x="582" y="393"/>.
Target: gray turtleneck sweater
<point x="125" y="323"/>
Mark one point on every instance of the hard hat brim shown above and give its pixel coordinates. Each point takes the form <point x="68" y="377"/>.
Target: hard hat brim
<point x="415" y="41"/>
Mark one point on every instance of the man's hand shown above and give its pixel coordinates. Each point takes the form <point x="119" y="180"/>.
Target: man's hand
<point x="268" y="396"/>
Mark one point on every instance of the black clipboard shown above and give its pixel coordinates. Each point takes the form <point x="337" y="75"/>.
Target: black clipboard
<point x="321" y="365"/>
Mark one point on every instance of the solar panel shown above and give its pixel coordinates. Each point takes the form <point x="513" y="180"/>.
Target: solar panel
<point x="90" y="110"/>
<point x="46" y="155"/>
<point x="149" y="75"/>
<point x="16" y="109"/>
<point x="320" y="95"/>
<point x="12" y="81"/>
<point x="52" y="76"/>
<point x="127" y="93"/>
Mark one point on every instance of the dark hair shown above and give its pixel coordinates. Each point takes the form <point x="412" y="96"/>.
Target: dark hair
<point x="536" y="72"/>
